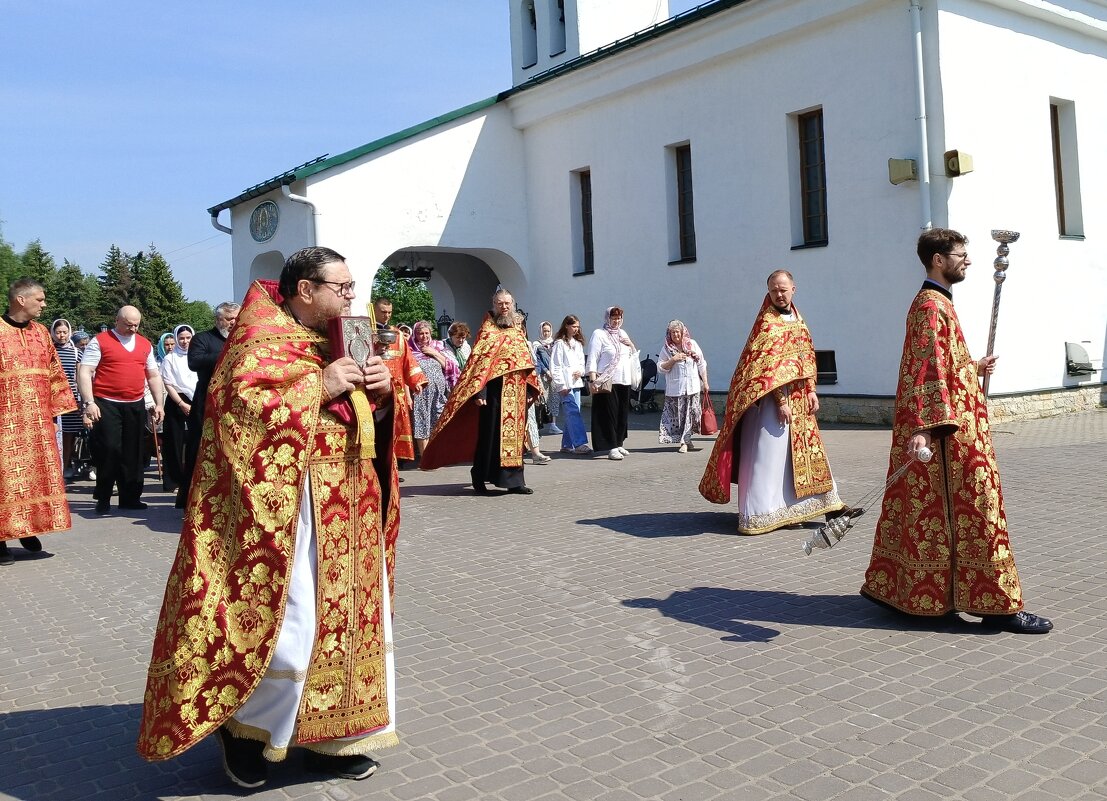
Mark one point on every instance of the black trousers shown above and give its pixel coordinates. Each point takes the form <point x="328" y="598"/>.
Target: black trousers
<point x="609" y="417"/>
<point x="117" y="440"/>
<point x="173" y="446"/>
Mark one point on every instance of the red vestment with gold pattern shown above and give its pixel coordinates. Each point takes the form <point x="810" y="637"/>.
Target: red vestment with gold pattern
<point x="778" y="358"/>
<point x="497" y="353"/>
<point x="265" y="431"/>
<point x="33" y="391"/>
<point x="941" y="542"/>
<point x="407" y="377"/>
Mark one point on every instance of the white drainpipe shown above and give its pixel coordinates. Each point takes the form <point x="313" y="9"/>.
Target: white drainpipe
<point x="301" y="199"/>
<point x="924" y="143"/>
<point x="218" y="226"/>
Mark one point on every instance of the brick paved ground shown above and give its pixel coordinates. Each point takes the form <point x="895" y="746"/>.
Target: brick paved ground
<point x="610" y="638"/>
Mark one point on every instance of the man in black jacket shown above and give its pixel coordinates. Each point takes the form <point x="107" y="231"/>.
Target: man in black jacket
<point x="203" y="353"/>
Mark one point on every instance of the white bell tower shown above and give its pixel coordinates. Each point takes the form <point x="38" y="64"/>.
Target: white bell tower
<point x="546" y="33"/>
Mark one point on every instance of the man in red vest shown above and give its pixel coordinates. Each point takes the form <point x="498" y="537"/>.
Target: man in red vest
<point x="114" y="371"/>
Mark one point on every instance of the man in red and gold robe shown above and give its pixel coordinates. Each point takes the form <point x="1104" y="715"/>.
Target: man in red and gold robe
<point x="485" y="418"/>
<point x="407" y="378"/>
<point x="941" y="543"/>
<point x="276" y="628"/>
<point x="33" y="392"/>
<point x="769" y="443"/>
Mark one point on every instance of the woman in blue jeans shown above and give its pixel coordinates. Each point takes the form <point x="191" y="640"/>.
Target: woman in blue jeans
<point x="567" y="369"/>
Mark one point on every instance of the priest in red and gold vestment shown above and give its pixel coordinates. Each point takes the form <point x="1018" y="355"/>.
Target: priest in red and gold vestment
<point x="941" y="543"/>
<point x="276" y="627"/>
<point x="407" y="378"/>
<point x="485" y="418"/>
<point x="33" y="392"/>
<point x="769" y="443"/>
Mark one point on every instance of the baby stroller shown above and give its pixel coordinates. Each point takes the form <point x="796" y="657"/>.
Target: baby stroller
<point x="641" y="400"/>
<point x="82" y="458"/>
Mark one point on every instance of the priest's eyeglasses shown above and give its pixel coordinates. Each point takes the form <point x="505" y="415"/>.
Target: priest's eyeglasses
<point x="958" y="255"/>
<point x="339" y="288"/>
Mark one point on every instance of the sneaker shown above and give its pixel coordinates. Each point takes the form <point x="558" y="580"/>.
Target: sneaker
<point x="624" y="451"/>
<point x="694" y="447"/>
<point x="32" y="544"/>
<point x="683" y="448"/>
<point x="553" y="429"/>
<point x="614" y="455"/>
<point x="567" y="449"/>
<point x="582" y="449"/>
<point x="5" y="556"/>
<point x="355" y="766"/>
<point x="242" y="760"/>
<point x="539" y="458"/>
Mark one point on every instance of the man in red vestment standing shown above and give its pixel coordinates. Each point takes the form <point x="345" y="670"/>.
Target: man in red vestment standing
<point x="276" y="628"/>
<point x="33" y="392"/>
<point x="941" y="543"/>
<point x="485" y="418"/>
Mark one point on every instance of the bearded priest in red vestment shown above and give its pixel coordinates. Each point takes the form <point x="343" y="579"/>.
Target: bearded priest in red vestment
<point x="276" y="628"/>
<point x="941" y="543"/>
<point x="769" y="443"/>
<point x="33" y="392"/>
<point x="485" y="418"/>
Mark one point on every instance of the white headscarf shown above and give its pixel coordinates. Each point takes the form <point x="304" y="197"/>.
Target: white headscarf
<point x="174" y="367"/>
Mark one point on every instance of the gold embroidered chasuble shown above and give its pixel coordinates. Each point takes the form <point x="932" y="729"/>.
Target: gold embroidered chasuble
<point x="497" y="353"/>
<point x="779" y="357"/>
<point x="941" y="542"/>
<point x="407" y="377"/>
<point x="264" y="433"/>
<point x="33" y="391"/>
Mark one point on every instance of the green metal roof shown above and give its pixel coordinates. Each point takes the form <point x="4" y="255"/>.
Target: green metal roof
<point x="324" y="162"/>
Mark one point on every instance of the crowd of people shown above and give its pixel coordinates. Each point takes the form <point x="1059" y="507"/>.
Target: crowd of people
<point x="285" y="461"/>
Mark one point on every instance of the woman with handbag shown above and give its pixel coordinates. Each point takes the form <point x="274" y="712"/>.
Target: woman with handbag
<point x="610" y="357"/>
<point x="685" y="370"/>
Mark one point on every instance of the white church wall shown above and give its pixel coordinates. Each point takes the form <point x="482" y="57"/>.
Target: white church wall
<point x="1000" y="71"/>
<point x="734" y="111"/>
<point x="253" y="260"/>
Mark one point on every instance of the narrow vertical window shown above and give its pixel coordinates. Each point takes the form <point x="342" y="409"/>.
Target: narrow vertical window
<point x="686" y="222"/>
<point x="1066" y="168"/>
<point x="557" y="27"/>
<point x="528" y="21"/>
<point x="581" y="209"/>
<point x="812" y="173"/>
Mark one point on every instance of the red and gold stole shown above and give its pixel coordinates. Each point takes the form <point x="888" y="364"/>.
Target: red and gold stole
<point x="778" y="355"/>
<point x="497" y="353"/>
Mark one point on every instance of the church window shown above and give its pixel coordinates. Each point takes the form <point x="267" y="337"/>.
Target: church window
<point x="682" y="228"/>
<point x="583" y="255"/>
<point x="1066" y="170"/>
<point x="529" y="24"/>
<point x="812" y="175"/>
<point x="557" y="27"/>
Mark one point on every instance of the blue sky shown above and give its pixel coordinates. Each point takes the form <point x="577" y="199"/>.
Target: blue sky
<point x="125" y="121"/>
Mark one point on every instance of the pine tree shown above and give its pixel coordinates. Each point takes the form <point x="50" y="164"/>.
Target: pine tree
<point x="39" y="265"/>
<point x="11" y="268"/>
<point x="76" y="297"/>
<point x="116" y="285"/>
<point x="160" y="297"/>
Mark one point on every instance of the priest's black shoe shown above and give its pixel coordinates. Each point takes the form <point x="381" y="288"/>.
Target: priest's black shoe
<point x="32" y="544"/>
<point x="355" y="766"/>
<point x="242" y="760"/>
<point x="6" y="557"/>
<point x="136" y="505"/>
<point x="103" y="507"/>
<point x="481" y="489"/>
<point x="1018" y="623"/>
<point x="520" y="491"/>
<point x="853" y="512"/>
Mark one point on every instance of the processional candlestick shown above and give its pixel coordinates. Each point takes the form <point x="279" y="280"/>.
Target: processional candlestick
<point x="1001" y="264"/>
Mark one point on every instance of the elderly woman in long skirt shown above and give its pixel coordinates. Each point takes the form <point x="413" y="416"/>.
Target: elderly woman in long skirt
<point x="685" y="369"/>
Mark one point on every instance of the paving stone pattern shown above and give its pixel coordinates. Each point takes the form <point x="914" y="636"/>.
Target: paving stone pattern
<point x="611" y="638"/>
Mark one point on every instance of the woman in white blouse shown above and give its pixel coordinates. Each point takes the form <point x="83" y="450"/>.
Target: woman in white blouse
<point x="566" y="380"/>
<point x="685" y="370"/>
<point x="180" y="388"/>
<point x="610" y="357"/>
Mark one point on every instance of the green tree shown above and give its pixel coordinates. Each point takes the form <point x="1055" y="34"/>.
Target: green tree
<point x="199" y="314"/>
<point x="11" y="268"/>
<point x="116" y="285"/>
<point x="158" y="295"/>
<point x="411" y="300"/>
<point x="76" y="297"/>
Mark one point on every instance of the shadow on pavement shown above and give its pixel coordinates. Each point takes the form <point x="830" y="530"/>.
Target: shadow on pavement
<point x="89" y="753"/>
<point x="667" y="524"/>
<point x="730" y="611"/>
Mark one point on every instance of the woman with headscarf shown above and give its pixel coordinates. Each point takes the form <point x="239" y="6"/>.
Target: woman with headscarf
<point x="685" y="370"/>
<point x="543" y="352"/>
<point x="71" y="422"/>
<point x="610" y="357"/>
<point x="567" y="369"/>
<point x="166" y="343"/>
<point x="180" y="388"/>
<point x="441" y="372"/>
